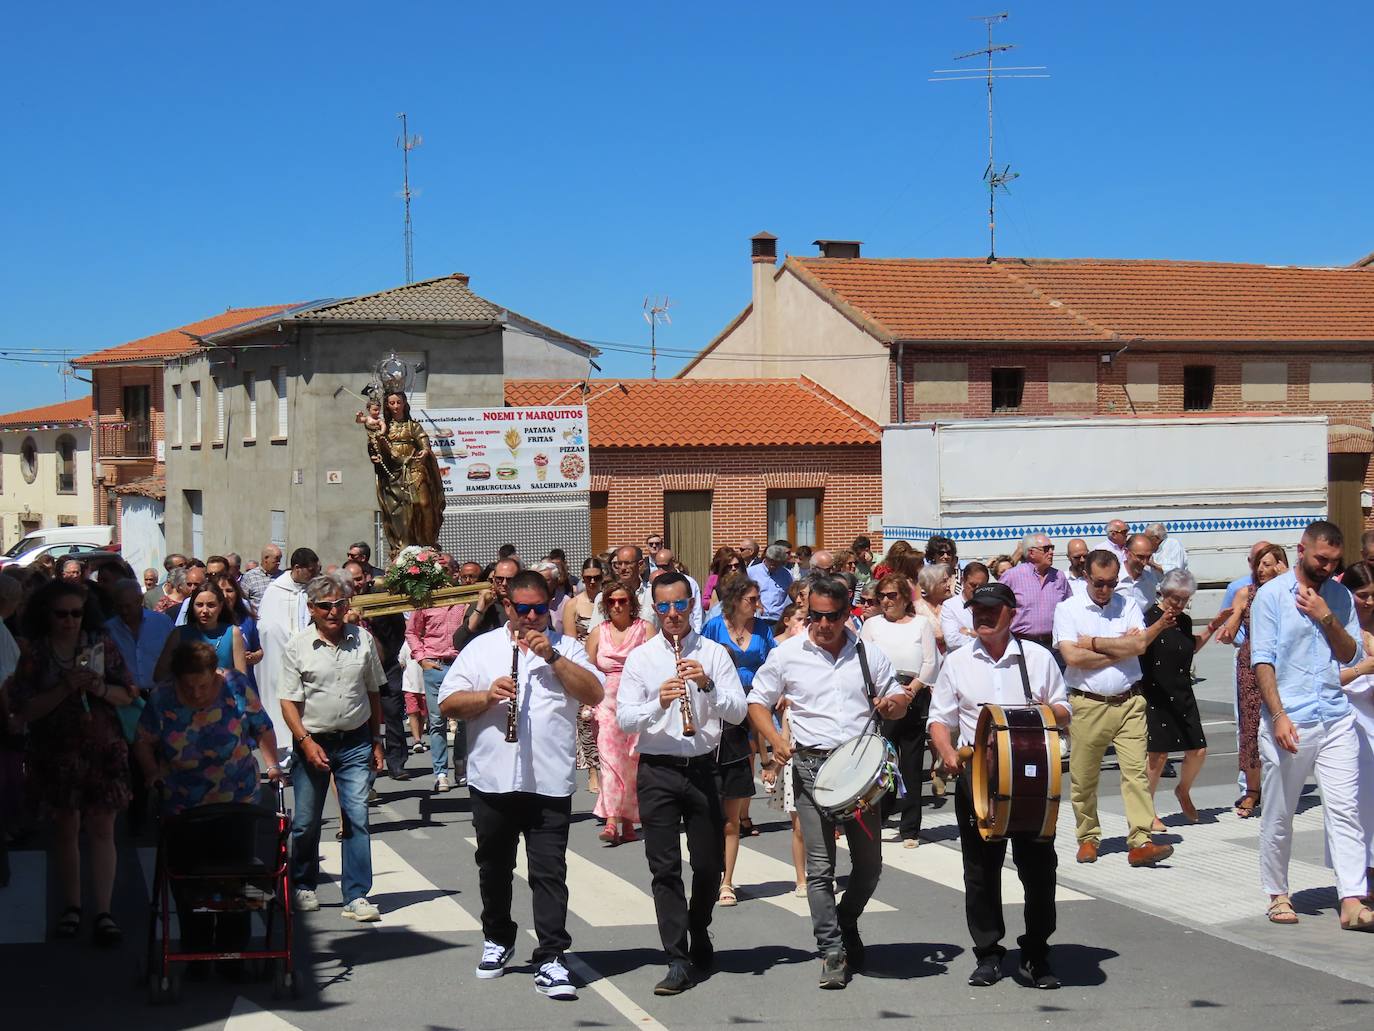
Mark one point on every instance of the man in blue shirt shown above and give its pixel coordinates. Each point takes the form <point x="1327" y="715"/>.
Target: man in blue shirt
<point x="1303" y="630"/>
<point x="773" y="579"/>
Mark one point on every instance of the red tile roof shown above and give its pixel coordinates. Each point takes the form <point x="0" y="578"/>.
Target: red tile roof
<point x="705" y="412"/>
<point x="65" y="413"/>
<point x="1094" y="300"/>
<point x="172" y="342"/>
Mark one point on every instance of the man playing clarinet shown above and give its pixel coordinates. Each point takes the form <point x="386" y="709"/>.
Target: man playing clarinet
<point x="675" y="690"/>
<point x="831" y="698"/>
<point x="1003" y="671"/>
<point x="519" y="688"/>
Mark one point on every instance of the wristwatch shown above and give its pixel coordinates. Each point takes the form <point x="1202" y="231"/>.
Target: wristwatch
<point x="708" y="687"/>
<point x="1328" y="619"/>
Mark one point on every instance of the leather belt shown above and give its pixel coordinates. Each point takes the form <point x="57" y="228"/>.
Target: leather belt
<point x="681" y="762"/>
<point x="1109" y="699"/>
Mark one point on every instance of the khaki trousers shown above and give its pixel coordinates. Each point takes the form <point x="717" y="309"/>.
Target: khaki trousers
<point x="1095" y="726"/>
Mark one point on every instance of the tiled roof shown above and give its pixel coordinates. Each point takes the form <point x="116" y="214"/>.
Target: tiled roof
<point x="1094" y="300"/>
<point x="704" y="412"/>
<point x="172" y="342"/>
<point x="446" y="299"/>
<point x="64" y="413"/>
<point x="145" y="486"/>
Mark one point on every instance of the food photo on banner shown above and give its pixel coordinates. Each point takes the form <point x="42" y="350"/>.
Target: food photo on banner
<point x="485" y="451"/>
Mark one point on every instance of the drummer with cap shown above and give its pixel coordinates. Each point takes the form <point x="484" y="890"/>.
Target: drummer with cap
<point x="830" y="699"/>
<point x="999" y="669"/>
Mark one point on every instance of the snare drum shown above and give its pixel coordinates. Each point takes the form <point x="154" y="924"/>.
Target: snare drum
<point x="1016" y="771"/>
<point x="854" y="777"/>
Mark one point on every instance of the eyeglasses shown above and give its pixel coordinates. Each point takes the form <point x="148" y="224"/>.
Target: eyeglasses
<point x="666" y="567"/>
<point x="680" y="605"/>
<point x="1041" y="547"/>
<point x="616" y="603"/>
<point x="889" y="595"/>
<point x="1101" y="584"/>
<point x="67" y="613"/>
<point x="868" y="601"/>
<point x="1116" y="533"/>
<point x="654" y="543"/>
<point x="499" y="579"/>
<point x="591" y="579"/>
<point x="325" y="606"/>
<point x="833" y="617"/>
<point x="522" y="609"/>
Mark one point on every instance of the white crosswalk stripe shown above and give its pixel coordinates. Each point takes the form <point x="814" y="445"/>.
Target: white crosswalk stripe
<point x="24" y="904"/>
<point x="754" y="867"/>
<point x="247" y="1017"/>
<point x="409" y="900"/>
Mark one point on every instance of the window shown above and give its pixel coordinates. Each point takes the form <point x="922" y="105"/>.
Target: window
<point x="28" y="460"/>
<point x="138" y="433"/>
<point x="66" y="464"/>
<point x="795" y="516"/>
<point x="219" y="411"/>
<point x="1199" y="384"/>
<point x="250" y="390"/>
<point x="176" y="415"/>
<point x="1007" y="387"/>
<point x="279" y="528"/>
<point x="195" y="414"/>
<point x="279" y="381"/>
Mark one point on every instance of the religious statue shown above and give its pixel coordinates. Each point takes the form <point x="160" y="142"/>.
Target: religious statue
<point x="410" y="492"/>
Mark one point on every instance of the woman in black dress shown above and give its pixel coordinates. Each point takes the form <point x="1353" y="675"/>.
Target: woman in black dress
<point x="1171" y="714"/>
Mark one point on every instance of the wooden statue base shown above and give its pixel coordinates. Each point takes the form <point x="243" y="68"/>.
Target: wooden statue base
<point x="375" y="604"/>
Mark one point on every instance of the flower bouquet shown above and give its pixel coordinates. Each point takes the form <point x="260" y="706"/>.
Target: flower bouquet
<point x="417" y="573"/>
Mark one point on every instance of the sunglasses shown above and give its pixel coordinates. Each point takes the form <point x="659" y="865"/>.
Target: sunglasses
<point x="616" y="603"/>
<point x="499" y="579"/>
<point x="325" y="606"/>
<point x="888" y="595"/>
<point x="521" y="609"/>
<point x="833" y="617"/>
<point x="868" y="601"/>
<point x="591" y="579"/>
<point x="654" y="543"/>
<point x="681" y="605"/>
<point x="1037" y="547"/>
<point x="67" y="613"/>
<point x="1100" y="584"/>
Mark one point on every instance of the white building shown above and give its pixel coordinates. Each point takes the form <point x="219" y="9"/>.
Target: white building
<point x="45" y="469"/>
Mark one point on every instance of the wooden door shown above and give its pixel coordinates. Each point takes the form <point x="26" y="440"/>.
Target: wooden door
<point x="599" y="534"/>
<point x="687" y="514"/>
<point x="1345" y="481"/>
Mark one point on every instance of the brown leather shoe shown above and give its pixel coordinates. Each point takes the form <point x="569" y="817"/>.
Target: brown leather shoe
<point x="1148" y="854"/>
<point x="1087" y="852"/>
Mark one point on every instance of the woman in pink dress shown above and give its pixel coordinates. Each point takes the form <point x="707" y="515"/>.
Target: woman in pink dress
<point x="607" y="645"/>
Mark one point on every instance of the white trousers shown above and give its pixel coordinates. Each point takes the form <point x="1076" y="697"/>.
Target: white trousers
<point x="1332" y="750"/>
<point x="1364" y="730"/>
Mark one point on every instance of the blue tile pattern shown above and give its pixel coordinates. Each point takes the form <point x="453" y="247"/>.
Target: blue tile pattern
<point x="1016" y="531"/>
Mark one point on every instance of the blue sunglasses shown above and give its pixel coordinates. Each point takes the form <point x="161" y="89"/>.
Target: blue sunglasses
<point x="681" y="605"/>
<point x="521" y="609"/>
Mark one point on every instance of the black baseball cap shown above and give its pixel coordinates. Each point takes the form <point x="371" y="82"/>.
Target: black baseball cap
<point x="992" y="594"/>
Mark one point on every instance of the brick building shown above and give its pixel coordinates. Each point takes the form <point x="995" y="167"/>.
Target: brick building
<point x="762" y="458"/>
<point x="921" y="339"/>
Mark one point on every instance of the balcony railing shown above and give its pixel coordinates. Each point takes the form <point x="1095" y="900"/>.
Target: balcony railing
<point x="126" y="439"/>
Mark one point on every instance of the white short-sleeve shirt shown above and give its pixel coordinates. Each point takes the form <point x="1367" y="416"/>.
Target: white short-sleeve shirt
<point x="972" y="677"/>
<point x="1080" y="615"/>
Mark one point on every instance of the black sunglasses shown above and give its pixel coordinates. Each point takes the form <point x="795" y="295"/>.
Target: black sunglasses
<point x="833" y="617"/>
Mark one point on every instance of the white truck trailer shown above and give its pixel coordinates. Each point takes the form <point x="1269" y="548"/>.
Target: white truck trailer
<point x="1218" y="484"/>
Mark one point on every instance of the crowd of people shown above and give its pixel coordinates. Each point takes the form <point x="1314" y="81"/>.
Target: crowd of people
<point x="677" y="697"/>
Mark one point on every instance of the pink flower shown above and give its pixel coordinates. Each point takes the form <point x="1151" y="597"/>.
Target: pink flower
<point x="413" y="569"/>
<point x="424" y="556"/>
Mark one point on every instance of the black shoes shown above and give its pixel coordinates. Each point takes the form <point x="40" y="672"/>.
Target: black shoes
<point x="1037" y="972"/>
<point x="679" y="979"/>
<point x="853" y="947"/>
<point x="834" y="972"/>
<point x="987" y="973"/>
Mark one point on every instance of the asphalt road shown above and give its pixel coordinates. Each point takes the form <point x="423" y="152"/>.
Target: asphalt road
<point x="1184" y="945"/>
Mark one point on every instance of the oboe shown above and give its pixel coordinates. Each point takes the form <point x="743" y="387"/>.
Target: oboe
<point x="513" y="706"/>
<point x="689" y="724"/>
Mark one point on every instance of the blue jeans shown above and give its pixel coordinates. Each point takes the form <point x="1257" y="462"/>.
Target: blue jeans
<point x="350" y="762"/>
<point x="438" y="724"/>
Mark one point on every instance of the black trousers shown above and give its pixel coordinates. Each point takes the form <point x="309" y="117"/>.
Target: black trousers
<point x="908" y="736"/>
<point x="394" y="720"/>
<point x="500" y="820"/>
<point x="1035" y="864"/>
<point x="671" y="797"/>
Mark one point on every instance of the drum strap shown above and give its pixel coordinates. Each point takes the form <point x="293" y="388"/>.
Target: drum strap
<point x="1025" y="677"/>
<point x="868" y="681"/>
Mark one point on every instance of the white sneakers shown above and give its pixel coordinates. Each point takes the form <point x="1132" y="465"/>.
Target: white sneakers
<point x="305" y="901"/>
<point x="441" y="782"/>
<point x="553" y="981"/>
<point x="494" y="959"/>
<point x="361" y="910"/>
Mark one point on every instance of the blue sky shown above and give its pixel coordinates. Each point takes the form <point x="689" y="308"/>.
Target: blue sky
<point x="165" y="161"/>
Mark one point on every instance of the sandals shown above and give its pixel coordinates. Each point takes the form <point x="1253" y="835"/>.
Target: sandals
<point x="69" y="923"/>
<point x="1246" y="811"/>
<point x="1280" y="911"/>
<point x="1363" y="921"/>
<point x="728" y="898"/>
<point x="105" y="932"/>
<point x="747" y="828"/>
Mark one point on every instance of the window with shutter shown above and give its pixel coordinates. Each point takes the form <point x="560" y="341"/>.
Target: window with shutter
<point x="176" y="415"/>
<point x="195" y="411"/>
<point x="279" y="380"/>
<point x="219" y="411"/>
<point x="250" y="390"/>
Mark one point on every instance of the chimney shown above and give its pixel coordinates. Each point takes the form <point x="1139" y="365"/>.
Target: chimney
<point x="839" y="248"/>
<point x="763" y="252"/>
<point x="460" y="277"/>
<point x="763" y="247"/>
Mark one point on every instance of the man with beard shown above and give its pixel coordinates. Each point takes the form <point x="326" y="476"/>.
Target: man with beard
<point x="1303" y="629"/>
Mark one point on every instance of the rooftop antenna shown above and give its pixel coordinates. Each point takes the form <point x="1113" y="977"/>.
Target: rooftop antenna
<point x="407" y="143"/>
<point x="655" y="312"/>
<point x="992" y="176"/>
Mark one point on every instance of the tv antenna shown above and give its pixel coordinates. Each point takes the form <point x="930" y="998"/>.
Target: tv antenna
<point x="994" y="178"/>
<point x="655" y="312"/>
<point x="407" y="143"/>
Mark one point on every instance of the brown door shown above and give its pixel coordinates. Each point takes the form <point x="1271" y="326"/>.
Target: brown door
<point x="598" y="521"/>
<point x="688" y="533"/>
<point x="1345" y="481"/>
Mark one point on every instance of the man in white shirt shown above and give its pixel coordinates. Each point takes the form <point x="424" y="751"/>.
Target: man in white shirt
<point x="528" y="677"/>
<point x="1169" y="551"/>
<point x="996" y="668"/>
<point x="1137" y="580"/>
<point x="1101" y="635"/>
<point x="283" y="612"/>
<point x="1077" y="573"/>
<point x="956" y="621"/>
<point x="1117" y="534"/>
<point x="677" y="771"/>
<point x="829" y="701"/>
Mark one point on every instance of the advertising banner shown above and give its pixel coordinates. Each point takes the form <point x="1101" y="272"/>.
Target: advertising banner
<point x="497" y="451"/>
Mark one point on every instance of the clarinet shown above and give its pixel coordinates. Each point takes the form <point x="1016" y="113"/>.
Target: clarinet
<point x="689" y="725"/>
<point x="513" y="706"/>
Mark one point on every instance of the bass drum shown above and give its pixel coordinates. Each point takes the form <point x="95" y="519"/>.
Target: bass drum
<point x="1016" y="771"/>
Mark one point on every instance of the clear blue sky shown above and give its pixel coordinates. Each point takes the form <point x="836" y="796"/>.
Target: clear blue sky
<point x="165" y="161"/>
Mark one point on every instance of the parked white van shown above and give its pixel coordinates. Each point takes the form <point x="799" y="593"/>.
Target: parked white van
<point x="92" y="536"/>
